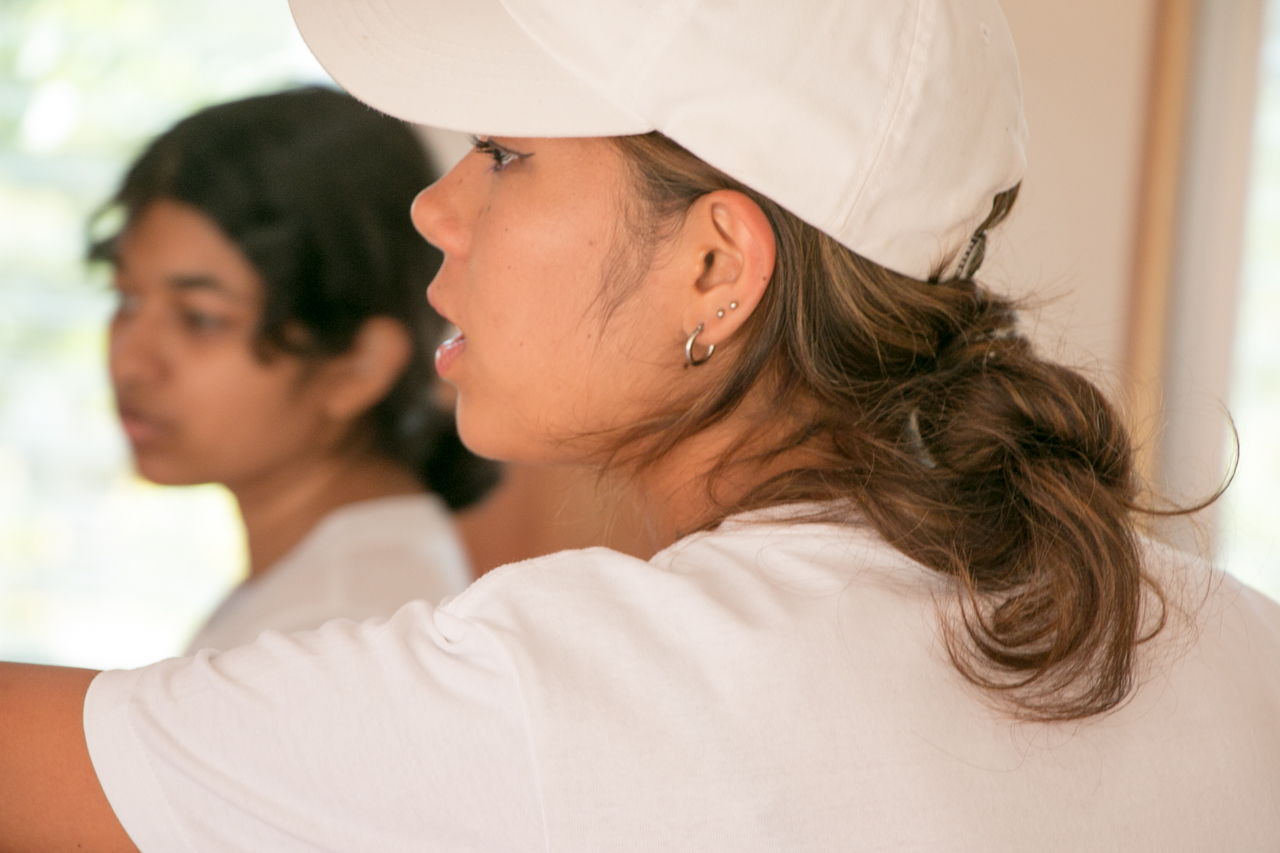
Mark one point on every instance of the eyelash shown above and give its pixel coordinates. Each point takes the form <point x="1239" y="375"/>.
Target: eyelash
<point x="502" y="157"/>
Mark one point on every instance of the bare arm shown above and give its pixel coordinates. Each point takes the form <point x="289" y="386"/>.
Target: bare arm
<point x="50" y="799"/>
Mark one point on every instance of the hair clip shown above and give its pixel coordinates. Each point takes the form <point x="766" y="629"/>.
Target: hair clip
<point x="973" y="256"/>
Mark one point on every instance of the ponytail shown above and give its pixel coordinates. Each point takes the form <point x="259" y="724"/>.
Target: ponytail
<point x="939" y="425"/>
<point x="1016" y="478"/>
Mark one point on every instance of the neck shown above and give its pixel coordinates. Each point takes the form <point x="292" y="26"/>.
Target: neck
<point x="674" y="491"/>
<point x="281" y="506"/>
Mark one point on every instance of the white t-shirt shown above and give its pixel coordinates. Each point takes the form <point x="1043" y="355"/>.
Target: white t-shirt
<point x="362" y="560"/>
<point x="765" y="687"/>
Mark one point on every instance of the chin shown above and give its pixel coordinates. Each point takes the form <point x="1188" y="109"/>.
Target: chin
<point x="164" y="472"/>
<point x="496" y="436"/>
<point x="482" y="442"/>
<point x="490" y="436"/>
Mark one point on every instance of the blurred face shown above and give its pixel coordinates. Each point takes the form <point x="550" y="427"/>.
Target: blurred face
<point x="196" y="402"/>
<point x="530" y="231"/>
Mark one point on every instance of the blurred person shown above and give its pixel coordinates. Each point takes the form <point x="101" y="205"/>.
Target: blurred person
<point x="272" y="335"/>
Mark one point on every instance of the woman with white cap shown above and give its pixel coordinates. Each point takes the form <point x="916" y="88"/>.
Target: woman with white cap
<point x="727" y="251"/>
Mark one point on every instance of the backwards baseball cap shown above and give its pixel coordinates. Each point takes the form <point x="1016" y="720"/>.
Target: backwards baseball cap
<point x="891" y="125"/>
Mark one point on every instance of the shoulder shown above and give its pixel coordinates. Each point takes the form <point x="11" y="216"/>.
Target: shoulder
<point x="1191" y="582"/>
<point x="741" y="545"/>
<point x="405" y="544"/>
<point x="362" y="561"/>
<point x="584" y="576"/>
<point x="397" y="520"/>
<point x="1206" y="606"/>
<point x="731" y="587"/>
<point x="382" y="732"/>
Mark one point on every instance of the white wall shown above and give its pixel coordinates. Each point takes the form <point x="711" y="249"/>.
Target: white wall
<point x="1085" y="68"/>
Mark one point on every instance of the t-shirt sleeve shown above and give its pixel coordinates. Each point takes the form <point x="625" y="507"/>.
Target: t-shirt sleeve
<point x="387" y="735"/>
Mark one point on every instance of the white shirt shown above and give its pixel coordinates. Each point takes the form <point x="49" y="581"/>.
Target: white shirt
<point x="362" y="560"/>
<point x="764" y="687"/>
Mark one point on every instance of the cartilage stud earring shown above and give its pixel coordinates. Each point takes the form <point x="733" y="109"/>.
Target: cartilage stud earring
<point x="720" y="313"/>
<point x="733" y="305"/>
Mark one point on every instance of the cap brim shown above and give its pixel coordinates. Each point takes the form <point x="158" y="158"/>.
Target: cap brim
<point x="457" y="64"/>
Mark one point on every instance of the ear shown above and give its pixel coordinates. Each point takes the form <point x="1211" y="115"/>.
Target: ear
<point x="729" y="250"/>
<point x="364" y="374"/>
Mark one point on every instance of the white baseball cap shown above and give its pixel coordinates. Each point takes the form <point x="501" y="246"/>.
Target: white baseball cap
<point x="889" y="124"/>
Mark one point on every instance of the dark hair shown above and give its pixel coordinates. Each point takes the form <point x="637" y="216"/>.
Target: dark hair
<point x="937" y="424"/>
<point x="315" y="189"/>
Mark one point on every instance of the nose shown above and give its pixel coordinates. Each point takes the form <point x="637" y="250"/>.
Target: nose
<point x="437" y="212"/>
<point x="136" y="353"/>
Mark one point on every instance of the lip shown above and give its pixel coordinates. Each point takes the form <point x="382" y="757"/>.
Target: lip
<point x="448" y="353"/>
<point x="140" y="428"/>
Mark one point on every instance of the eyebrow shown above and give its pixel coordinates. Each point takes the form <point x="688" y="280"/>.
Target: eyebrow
<point x="198" y="281"/>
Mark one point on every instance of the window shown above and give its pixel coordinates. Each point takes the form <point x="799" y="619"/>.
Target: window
<point x="1250" y="538"/>
<point x="96" y="567"/>
<point x="1220" y="328"/>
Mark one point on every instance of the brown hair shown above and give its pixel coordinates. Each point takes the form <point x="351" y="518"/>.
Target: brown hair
<point x="936" y="423"/>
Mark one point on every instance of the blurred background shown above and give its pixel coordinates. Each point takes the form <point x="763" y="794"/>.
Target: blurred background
<point x="1148" y="232"/>
<point x="98" y="568"/>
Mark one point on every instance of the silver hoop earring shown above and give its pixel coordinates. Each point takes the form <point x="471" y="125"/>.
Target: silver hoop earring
<point x="688" y="349"/>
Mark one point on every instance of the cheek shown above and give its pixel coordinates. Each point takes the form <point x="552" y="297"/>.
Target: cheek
<point x="532" y="320"/>
<point x="536" y="292"/>
<point x="547" y="368"/>
<point x="233" y="416"/>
